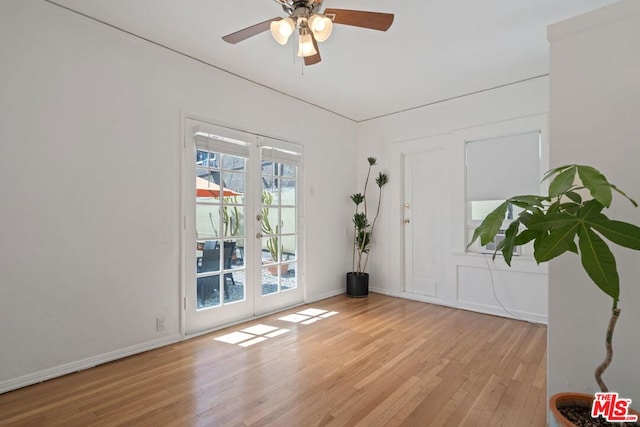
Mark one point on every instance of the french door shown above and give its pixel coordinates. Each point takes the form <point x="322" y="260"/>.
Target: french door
<point x="241" y="226"/>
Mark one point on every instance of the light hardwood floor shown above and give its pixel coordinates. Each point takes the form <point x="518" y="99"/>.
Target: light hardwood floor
<point x="380" y="361"/>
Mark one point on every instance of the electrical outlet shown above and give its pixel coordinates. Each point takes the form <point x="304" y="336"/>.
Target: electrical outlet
<point x="160" y="324"/>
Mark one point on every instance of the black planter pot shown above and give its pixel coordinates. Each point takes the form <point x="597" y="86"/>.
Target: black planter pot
<point x="357" y="285"/>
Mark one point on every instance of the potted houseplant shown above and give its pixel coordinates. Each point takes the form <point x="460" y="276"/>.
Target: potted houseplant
<point x="357" y="278"/>
<point x="569" y="219"/>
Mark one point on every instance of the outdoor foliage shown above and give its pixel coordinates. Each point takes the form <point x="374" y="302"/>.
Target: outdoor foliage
<point x="362" y="228"/>
<point x="268" y="229"/>
<point x="230" y="217"/>
<point x="569" y="219"/>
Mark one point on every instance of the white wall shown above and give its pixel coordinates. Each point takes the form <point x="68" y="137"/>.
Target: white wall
<point x="90" y="186"/>
<point x="464" y="277"/>
<point x="594" y="112"/>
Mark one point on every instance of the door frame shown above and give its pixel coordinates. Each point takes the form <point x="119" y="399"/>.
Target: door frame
<point x="253" y="175"/>
<point x="401" y="149"/>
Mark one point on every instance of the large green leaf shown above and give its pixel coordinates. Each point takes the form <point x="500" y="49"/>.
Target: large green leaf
<point x="570" y="207"/>
<point x="551" y="221"/>
<point x="596" y="183"/>
<point x="526" y="217"/>
<point x="476" y="234"/>
<point x="562" y="182"/>
<point x="574" y="197"/>
<point x="590" y="208"/>
<point x="528" y="201"/>
<point x="556" y="171"/>
<point x="621" y="233"/>
<point x="490" y="226"/>
<point x="508" y="243"/>
<point x="526" y="236"/>
<point x="599" y="262"/>
<point x="556" y="243"/>
<point x="553" y="208"/>
<point x="539" y="241"/>
<point x="633" y="202"/>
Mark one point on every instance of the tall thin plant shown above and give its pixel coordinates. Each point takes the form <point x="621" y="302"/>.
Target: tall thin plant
<point x="568" y="220"/>
<point x="269" y="230"/>
<point x="230" y="217"/>
<point x="362" y="228"/>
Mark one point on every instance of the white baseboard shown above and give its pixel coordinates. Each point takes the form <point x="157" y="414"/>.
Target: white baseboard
<point x="384" y="292"/>
<point x="68" y="368"/>
<point x="499" y="311"/>
<point x="325" y="295"/>
<point x="478" y="308"/>
<point x="412" y="297"/>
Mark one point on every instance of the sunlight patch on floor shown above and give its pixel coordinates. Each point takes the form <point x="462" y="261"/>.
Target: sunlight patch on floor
<point x="252" y="342"/>
<point x="234" y="337"/>
<point x="294" y="318"/>
<point x="308" y="316"/>
<point x="258" y="333"/>
<point x="259" y="329"/>
<point x="252" y="335"/>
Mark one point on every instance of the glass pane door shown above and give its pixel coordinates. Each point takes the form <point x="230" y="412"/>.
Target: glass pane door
<point x="279" y="249"/>
<point x="218" y="254"/>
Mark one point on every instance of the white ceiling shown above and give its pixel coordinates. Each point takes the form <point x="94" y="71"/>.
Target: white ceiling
<point x="435" y="50"/>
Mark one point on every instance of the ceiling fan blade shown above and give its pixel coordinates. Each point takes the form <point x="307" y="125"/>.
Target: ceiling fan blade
<point x="360" y="18"/>
<point x="251" y="31"/>
<point x="313" y="59"/>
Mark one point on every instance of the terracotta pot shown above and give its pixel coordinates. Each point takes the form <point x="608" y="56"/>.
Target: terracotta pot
<point x="273" y="269"/>
<point x="556" y="419"/>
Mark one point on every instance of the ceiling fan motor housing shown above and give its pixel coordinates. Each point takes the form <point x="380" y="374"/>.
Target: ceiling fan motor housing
<point x="301" y="8"/>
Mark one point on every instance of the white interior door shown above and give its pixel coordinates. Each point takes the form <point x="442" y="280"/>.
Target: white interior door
<point x="423" y="221"/>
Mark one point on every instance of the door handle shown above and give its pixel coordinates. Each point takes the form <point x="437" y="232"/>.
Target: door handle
<point x="407" y="221"/>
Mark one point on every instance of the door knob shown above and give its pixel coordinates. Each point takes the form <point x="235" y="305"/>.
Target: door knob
<point x="258" y="235"/>
<point x="407" y="221"/>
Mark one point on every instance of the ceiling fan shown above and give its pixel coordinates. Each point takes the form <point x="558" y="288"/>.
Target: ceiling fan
<point x="312" y="25"/>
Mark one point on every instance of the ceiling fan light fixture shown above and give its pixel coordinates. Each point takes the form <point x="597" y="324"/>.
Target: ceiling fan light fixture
<point x="321" y="27"/>
<point x="282" y="29"/>
<point x="305" y="44"/>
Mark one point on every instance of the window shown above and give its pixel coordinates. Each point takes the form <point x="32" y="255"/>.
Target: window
<point x="498" y="168"/>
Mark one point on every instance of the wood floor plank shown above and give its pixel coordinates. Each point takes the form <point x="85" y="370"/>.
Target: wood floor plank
<point x="380" y="361"/>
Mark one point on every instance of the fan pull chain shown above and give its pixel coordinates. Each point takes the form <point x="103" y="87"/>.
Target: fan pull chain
<point x="295" y="55"/>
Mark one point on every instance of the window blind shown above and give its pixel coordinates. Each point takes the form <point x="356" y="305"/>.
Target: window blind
<point x="218" y="139"/>
<point x="498" y="168"/>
